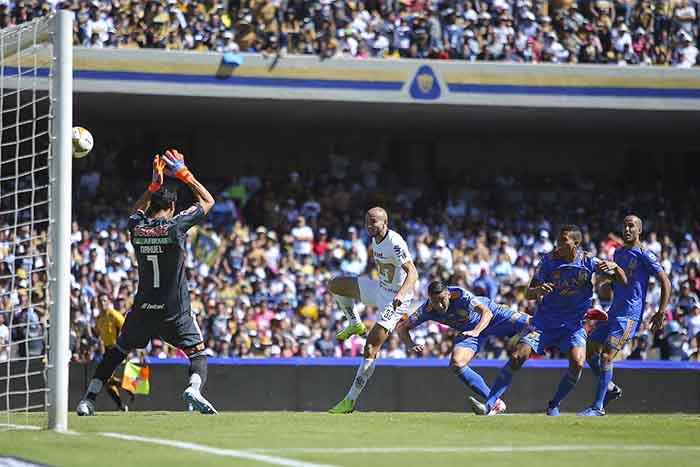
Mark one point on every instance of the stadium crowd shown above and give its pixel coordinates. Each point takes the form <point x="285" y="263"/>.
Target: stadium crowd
<point x="623" y="32"/>
<point x="257" y="271"/>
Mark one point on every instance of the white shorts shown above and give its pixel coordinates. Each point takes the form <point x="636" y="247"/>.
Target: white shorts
<point x="371" y="293"/>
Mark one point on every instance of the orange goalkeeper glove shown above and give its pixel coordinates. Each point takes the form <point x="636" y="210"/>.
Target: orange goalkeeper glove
<point x="158" y="173"/>
<point x="176" y="166"/>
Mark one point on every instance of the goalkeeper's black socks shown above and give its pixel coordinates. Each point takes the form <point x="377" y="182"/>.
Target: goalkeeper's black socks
<point x="111" y="360"/>
<point x="198" y="370"/>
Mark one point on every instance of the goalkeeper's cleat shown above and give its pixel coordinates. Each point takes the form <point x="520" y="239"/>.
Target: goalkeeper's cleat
<point x="199" y="403"/>
<point x="358" y="328"/>
<point x="344" y="406"/>
<point x="553" y="411"/>
<point x="85" y="408"/>
<point x="611" y="395"/>
<point x="591" y="412"/>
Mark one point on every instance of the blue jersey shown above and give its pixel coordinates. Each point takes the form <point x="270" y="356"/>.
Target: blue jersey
<point x="639" y="264"/>
<point x="461" y="314"/>
<point x="573" y="290"/>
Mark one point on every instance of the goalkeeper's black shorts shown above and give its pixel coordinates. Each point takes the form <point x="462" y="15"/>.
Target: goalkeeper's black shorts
<point x="180" y="330"/>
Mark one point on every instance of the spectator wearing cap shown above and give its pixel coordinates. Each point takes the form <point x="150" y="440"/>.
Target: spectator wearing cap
<point x="543" y="246"/>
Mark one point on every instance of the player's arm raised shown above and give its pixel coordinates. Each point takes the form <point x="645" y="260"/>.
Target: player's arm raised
<point x="175" y="162"/>
<point x="484" y="321"/>
<point x="156" y="181"/>
<point x="657" y="321"/>
<point x="409" y="283"/>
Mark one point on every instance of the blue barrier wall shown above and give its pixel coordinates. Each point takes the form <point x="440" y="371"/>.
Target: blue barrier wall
<point x="405" y="385"/>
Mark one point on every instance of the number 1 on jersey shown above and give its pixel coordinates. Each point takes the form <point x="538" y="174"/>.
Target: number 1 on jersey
<point x="156" y="271"/>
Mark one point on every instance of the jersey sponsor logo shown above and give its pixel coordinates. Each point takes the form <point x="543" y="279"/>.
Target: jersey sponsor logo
<point x="152" y="241"/>
<point x="147" y="231"/>
<point x="378" y="254"/>
<point x="149" y="249"/>
<point x="398" y="251"/>
<point x="153" y="306"/>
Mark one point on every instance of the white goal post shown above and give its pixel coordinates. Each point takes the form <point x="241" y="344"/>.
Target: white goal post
<point x="36" y="108"/>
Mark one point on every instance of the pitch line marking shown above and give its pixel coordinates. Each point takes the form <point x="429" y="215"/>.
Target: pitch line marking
<point x="12" y="426"/>
<point x="217" y="451"/>
<point x="482" y="449"/>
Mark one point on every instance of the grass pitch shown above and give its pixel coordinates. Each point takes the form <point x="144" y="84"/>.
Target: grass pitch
<point x="360" y="439"/>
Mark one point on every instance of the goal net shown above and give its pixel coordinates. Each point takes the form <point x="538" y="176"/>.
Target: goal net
<point x="30" y="176"/>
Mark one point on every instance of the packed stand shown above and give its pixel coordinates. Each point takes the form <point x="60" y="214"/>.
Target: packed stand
<point x="257" y="271"/>
<point x="623" y="32"/>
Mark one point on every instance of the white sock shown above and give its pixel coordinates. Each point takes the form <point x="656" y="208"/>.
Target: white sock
<point x="364" y="373"/>
<point x="95" y="386"/>
<point x="347" y="306"/>
<point x="195" y="381"/>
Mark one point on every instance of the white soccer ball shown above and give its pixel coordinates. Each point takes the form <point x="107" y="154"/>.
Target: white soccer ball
<point x="82" y="142"/>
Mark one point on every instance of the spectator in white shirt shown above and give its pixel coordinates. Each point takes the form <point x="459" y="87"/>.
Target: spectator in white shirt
<point x="303" y="237"/>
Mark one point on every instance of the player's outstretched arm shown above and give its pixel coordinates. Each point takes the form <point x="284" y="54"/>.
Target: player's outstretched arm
<point x="657" y="321"/>
<point x="484" y="321"/>
<point x="156" y="181"/>
<point x="175" y="163"/>
<point x="202" y="195"/>
<point x="404" y="329"/>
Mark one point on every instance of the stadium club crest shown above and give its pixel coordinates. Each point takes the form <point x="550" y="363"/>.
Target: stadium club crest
<point x="425" y="84"/>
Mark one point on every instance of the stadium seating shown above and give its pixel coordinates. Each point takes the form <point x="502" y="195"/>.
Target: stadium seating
<point x="257" y="295"/>
<point x="646" y="32"/>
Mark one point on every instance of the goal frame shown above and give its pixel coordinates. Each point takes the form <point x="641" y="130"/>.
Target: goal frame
<point x="60" y="176"/>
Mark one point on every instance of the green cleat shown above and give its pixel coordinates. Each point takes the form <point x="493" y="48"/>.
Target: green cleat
<point x="344" y="406"/>
<point x="358" y="329"/>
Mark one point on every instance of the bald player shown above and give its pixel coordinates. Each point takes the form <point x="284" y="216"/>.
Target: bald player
<point x="391" y="294"/>
<point x="609" y="337"/>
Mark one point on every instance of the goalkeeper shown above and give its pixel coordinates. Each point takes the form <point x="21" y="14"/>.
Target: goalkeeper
<point x="162" y="304"/>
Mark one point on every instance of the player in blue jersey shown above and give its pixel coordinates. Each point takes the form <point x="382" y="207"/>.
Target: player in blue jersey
<point x="476" y="318"/>
<point x="609" y="337"/>
<point x="563" y="284"/>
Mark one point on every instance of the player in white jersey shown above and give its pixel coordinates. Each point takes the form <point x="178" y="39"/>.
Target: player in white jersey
<point x="391" y="294"/>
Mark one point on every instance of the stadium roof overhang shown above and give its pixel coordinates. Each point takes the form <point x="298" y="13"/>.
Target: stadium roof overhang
<point x="173" y="112"/>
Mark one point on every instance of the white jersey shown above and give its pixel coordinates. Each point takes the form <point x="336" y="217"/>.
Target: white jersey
<point x="389" y="255"/>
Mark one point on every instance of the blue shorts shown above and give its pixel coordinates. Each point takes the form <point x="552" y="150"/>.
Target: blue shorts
<point x="563" y="338"/>
<point x="504" y="329"/>
<point x="615" y="332"/>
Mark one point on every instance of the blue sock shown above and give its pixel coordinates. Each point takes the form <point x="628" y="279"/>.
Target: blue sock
<point x="594" y="363"/>
<point x="603" y="383"/>
<point x="473" y="380"/>
<point x="500" y="384"/>
<point x="567" y="383"/>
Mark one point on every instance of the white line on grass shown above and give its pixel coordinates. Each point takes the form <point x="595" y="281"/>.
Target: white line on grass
<point x="482" y="449"/>
<point x="12" y="426"/>
<point x="217" y="451"/>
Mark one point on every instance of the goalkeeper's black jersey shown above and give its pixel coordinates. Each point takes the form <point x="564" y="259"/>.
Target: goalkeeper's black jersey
<point x="159" y="245"/>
